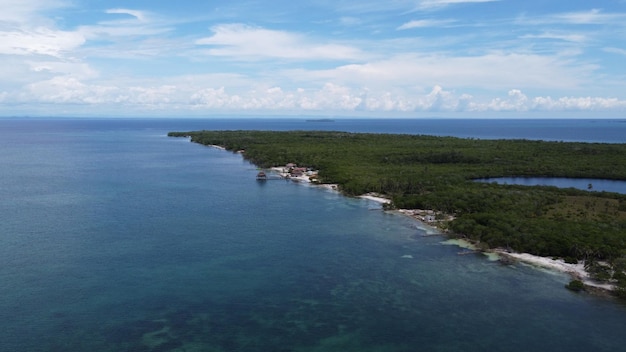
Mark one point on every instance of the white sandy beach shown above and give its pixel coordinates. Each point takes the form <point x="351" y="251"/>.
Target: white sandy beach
<point x="375" y="198"/>
<point x="577" y="271"/>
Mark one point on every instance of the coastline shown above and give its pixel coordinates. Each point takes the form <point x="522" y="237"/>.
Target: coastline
<point x="575" y="271"/>
<point x="598" y="212"/>
<point x="431" y="222"/>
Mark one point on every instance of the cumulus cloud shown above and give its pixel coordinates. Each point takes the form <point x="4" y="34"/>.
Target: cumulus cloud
<point x="69" y="90"/>
<point x="66" y="90"/>
<point x="579" y="104"/>
<point x="333" y="97"/>
<point x="519" y="102"/>
<point x="212" y="98"/>
<point x="328" y="97"/>
<point x="516" y="101"/>
<point x="245" y="42"/>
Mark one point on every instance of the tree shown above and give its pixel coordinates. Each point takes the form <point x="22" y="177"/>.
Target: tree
<point x="575" y="285"/>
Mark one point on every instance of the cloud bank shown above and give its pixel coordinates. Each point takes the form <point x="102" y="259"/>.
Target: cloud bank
<point x="431" y="56"/>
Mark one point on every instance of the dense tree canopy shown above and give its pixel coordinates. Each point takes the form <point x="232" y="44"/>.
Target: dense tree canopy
<point x="429" y="172"/>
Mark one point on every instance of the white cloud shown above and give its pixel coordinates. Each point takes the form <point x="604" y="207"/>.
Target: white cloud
<point x="139" y="15"/>
<point x="39" y="41"/>
<point x="77" y="70"/>
<point x="519" y="102"/>
<point x="425" y="24"/>
<point x="490" y="71"/>
<point x="68" y="90"/>
<point x="377" y="6"/>
<point x="252" y="43"/>
<point x="25" y="30"/>
<point x="568" y="37"/>
<point x="241" y="67"/>
<point x="430" y="4"/>
<point x="615" y="51"/>
<point x="516" y="101"/>
<point x="28" y="11"/>
<point x="212" y="98"/>
<point x="590" y="17"/>
<point x="181" y="95"/>
<point x="579" y="104"/>
<point x="594" y="16"/>
<point x="136" y="24"/>
<point x="349" y="21"/>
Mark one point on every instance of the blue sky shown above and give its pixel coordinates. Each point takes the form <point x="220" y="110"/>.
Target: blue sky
<point x="394" y="58"/>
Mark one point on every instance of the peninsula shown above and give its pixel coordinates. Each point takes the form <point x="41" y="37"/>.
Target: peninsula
<point x="439" y="173"/>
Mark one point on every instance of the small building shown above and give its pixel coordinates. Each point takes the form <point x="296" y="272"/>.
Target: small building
<point x="297" y="171"/>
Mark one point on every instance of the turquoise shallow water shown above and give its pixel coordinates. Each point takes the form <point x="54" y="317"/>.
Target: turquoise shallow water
<point x="117" y="238"/>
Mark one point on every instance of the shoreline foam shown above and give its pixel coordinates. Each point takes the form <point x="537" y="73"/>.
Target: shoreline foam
<point x="576" y="271"/>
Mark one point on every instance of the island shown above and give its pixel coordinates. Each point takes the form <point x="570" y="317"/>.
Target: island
<point x="439" y="175"/>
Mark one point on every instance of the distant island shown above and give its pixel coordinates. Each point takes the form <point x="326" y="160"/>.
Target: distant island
<point x="438" y="174"/>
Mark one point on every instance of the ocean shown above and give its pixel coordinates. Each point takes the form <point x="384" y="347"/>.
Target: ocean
<point x="115" y="237"/>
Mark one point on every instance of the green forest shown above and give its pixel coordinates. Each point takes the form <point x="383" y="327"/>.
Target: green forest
<point x="438" y="173"/>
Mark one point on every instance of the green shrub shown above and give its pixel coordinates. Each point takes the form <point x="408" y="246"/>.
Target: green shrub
<point x="576" y="286"/>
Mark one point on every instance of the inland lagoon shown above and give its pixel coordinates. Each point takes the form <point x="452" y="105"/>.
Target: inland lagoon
<point x="118" y="238"/>
<point x="587" y="184"/>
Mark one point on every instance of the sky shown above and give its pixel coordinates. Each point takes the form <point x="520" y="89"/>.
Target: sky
<point x="393" y="58"/>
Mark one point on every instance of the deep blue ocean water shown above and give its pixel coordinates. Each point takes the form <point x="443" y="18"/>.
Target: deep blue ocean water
<point x="114" y="237"/>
